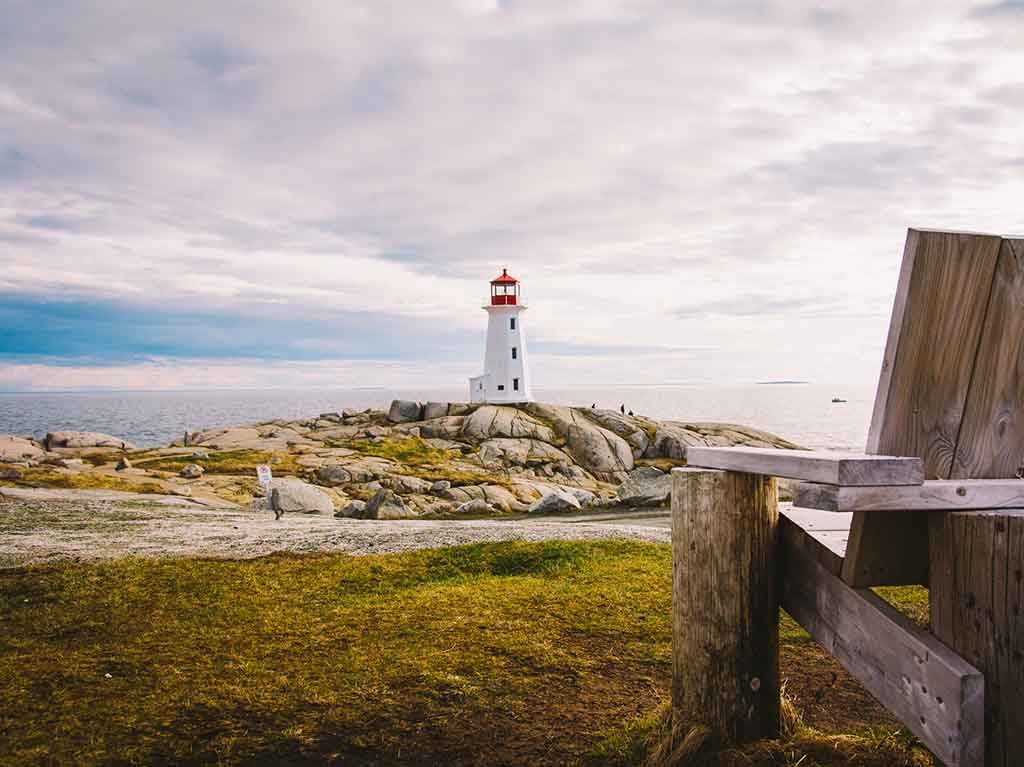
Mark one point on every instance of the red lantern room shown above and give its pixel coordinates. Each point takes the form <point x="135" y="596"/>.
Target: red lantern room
<point x="504" y="290"/>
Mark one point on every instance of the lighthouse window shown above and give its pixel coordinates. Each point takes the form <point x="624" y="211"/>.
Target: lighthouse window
<point x="512" y="324"/>
<point x="501" y="387"/>
<point x="515" y="353"/>
<point x="515" y="384"/>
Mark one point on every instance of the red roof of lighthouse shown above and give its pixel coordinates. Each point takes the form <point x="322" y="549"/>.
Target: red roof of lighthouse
<point x="503" y="278"/>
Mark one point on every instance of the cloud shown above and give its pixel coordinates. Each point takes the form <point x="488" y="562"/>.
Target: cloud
<point x="347" y="177"/>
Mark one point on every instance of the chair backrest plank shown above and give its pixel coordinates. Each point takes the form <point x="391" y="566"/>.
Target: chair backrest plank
<point x="991" y="441"/>
<point x="946" y="338"/>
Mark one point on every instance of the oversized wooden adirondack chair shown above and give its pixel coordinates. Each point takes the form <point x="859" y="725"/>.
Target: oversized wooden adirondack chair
<point x="936" y="500"/>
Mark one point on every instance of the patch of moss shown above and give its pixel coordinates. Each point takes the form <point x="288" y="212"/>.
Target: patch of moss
<point x="46" y="477"/>
<point x="408" y="450"/>
<point x="226" y="462"/>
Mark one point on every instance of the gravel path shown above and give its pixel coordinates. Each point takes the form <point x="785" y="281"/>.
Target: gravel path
<point x="47" y="526"/>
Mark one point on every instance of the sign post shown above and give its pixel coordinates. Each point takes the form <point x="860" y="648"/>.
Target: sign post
<point x="264" y="477"/>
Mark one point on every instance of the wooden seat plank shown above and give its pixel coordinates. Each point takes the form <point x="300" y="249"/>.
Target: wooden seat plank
<point x="821" y="535"/>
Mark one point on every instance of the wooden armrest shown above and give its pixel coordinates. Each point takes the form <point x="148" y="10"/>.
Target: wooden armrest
<point x="854" y="469"/>
<point x="933" y="495"/>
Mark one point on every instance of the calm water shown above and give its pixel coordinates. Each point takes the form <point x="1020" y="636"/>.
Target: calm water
<point x="803" y="413"/>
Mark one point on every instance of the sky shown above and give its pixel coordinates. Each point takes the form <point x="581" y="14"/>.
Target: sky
<point x="255" y="194"/>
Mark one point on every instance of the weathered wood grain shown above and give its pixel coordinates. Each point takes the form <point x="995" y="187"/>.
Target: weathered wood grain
<point x="937" y="320"/>
<point x="821" y="535"/>
<point x="976" y="602"/>
<point x="991" y="439"/>
<point x="933" y="495"/>
<point x="813" y="466"/>
<point x="725" y="640"/>
<point x="934" y="692"/>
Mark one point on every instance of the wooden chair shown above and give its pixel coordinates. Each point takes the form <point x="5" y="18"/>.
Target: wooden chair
<point x="935" y="500"/>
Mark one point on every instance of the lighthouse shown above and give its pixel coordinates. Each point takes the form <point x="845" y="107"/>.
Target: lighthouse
<point x="506" y="375"/>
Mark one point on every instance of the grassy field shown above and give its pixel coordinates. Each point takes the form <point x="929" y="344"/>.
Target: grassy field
<point x="514" y="653"/>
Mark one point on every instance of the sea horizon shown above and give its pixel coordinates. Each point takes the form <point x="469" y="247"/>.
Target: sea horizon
<point x="802" y="412"/>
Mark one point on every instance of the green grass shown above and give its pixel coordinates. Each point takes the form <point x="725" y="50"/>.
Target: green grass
<point x="428" y="656"/>
<point x="293" y="659"/>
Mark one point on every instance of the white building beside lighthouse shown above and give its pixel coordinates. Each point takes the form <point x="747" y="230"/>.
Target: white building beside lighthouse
<point x="506" y="375"/>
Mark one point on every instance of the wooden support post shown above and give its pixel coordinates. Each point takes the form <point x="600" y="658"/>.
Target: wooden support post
<point x="977" y="609"/>
<point x="725" y="609"/>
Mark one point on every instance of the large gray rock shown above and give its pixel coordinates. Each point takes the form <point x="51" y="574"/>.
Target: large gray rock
<point x="354" y="509"/>
<point x="505" y="451"/>
<point x="492" y="421"/>
<point x="235" y="438"/>
<point x="191" y="471"/>
<point x="387" y="505"/>
<point x="435" y="410"/>
<point x="601" y="452"/>
<point x="294" y="495"/>
<point x="85" y="439"/>
<point x="645" y="486"/>
<point x="10" y="474"/>
<point x="497" y="496"/>
<point x="334" y="475"/>
<point x="558" y="501"/>
<point x="672" y="439"/>
<point x="405" y="411"/>
<point x="630" y="428"/>
<point x="14" y="449"/>
<point x="448" y="427"/>
<point x="476" y="506"/>
<point x="406" y="485"/>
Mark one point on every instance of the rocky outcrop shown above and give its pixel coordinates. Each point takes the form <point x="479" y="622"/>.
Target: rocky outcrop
<point x="85" y="439"/>
<point x="671" y="441"/>
<point x="405" y="411"/>
<point x="476" y="506"/>
<point x="294" y="495"/>
<point x="490" y="421"/>
<point x="386" y="505"/>
<point x="503" y="451"/>
<point x="16" y="449"/>
<point x="353" y="509"/>
<point x="447" y="428"/>
<point x="435" y="410"/>
<point x="634" y="430"/>
<point x="406" y="485"/>
<point x="645" y="486"/>
<point x="418" y="460"/>
<point x="191" y="471"/>
<point x="497" y="496"/>
<point x="556" y="502"/>
<point x="601" y="452"/>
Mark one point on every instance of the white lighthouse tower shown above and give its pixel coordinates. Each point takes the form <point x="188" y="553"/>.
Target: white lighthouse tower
<point x="506" y="375"/>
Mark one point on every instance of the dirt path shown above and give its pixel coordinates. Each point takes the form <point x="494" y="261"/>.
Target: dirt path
<point x="43" y="526"/>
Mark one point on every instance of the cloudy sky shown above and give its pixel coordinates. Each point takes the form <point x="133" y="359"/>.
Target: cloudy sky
<point x="316" y="193"/>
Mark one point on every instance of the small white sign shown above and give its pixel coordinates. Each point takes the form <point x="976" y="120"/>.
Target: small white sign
<point x="263" y="475"/>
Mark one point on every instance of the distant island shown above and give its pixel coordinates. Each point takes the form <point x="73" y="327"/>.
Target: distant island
<point x="780" y="383"/>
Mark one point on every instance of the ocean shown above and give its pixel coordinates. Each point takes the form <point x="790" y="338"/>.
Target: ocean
<point x="802" y="413"/>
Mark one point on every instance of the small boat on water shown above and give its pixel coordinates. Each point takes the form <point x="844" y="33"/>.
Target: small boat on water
<point x="838" y="399"/>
